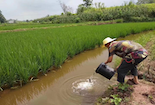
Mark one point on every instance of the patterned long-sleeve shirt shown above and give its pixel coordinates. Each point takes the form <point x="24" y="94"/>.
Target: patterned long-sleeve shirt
<point x="127" y="49"/>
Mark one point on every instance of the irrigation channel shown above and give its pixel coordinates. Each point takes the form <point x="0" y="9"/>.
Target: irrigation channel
<point x="69" y="85"/>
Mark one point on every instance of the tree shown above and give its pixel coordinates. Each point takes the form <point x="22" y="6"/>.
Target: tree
<point x="65" y="8"/>
<point x="2" y="18"/>
<point x="145" y="1"/>
<point x="99" y="5"/>
<point x="48" y="16"/>
<point x="131" y="3"/>
<point x="152" y="1"/>
<point x="85" y="6"/>
<point x="80" y="9"/>
<point x="87" y="3"/>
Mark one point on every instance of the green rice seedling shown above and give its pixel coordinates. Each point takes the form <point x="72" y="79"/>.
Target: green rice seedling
<point x="2" y="77"/>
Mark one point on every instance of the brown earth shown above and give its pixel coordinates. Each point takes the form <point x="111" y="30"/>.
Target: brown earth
<point x="143" y="94"/>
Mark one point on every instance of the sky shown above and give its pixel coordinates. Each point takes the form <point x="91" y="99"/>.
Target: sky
<point x="34" y="9"/>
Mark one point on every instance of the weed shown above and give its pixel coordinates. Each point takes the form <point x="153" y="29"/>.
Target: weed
<point x="99" y="99"/>
<point x="123" y="87"/>
<point x="116" y="100"/>
<point x="150" y="97"/>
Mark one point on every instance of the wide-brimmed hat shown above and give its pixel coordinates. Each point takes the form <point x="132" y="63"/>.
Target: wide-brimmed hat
<point x="108" y="40"/>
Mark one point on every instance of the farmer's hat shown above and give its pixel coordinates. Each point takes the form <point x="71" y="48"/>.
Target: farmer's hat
<point x="108" y="40"/>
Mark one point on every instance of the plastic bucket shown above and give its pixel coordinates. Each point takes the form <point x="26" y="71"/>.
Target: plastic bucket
<point x="105" y="71"/>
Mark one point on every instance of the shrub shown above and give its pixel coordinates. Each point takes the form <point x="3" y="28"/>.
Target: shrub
<point x="77" y="20"/>
<point x="119" y="20"/>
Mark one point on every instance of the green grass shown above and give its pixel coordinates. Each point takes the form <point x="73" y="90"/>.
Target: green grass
<point x="24" y="53"/>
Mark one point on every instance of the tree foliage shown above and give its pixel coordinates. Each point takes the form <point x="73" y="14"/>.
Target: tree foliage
<point x="99" y="5"/>
<point x="80" y="9"/>
<point x="129" y="12"/>
<point x="145" y="1"/>
<point x="2" y="18"/>
<point x="87" y="3"/>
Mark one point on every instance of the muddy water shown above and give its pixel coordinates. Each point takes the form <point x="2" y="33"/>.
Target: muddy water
<point x="68" y="85"/>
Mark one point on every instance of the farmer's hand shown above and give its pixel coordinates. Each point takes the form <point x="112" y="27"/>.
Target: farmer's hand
<point x="116" y="69"/>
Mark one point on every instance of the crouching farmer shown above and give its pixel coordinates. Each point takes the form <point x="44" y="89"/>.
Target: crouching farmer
<point x="131" y="53"/>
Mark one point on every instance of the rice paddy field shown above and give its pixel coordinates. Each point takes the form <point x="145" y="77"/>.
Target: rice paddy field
<point x="27" y="26"/>
<point x="24" y="53"/>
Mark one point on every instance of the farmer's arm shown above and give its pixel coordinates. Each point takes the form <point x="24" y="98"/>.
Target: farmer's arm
<point x="109" y="59"/>
<point x="111" y="53"/>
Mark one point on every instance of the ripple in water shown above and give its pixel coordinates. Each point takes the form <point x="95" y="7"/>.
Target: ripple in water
<point x="91" y="86"/>
<point x="82" y="89"/>
<point x="83" y="86"/>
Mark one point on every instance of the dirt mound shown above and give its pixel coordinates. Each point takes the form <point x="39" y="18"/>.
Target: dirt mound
<point x="143" y="94"/>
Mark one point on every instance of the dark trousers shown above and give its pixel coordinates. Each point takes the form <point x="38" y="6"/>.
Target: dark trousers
<point x="127" y="66"/>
